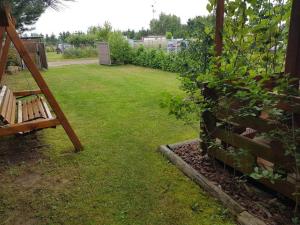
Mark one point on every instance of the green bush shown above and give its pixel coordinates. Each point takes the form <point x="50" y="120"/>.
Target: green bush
<point x="81" y="39"/>
<point x="157" y="59"/>
<point x="13" y="58"/>
<point x="169" y="35"/>
<point x="73" y="53"/>
<point x="50" y="48"/>
<point x="120" y="49"/>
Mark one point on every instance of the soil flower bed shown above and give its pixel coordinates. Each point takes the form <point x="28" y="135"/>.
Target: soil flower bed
<point x="267" y="206"/>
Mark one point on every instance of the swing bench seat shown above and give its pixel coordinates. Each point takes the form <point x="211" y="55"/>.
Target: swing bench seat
<point x="23" y="112"/>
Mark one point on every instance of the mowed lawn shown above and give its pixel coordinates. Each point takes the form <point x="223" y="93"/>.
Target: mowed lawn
<point x="119" y="178"/>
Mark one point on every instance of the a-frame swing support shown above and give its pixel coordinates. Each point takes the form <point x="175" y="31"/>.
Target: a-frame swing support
<point x="7" y="26"/>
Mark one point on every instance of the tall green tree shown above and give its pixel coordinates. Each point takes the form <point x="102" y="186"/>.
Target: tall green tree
<point x="195" y="26"/>
<point x="27" y="12"/>
<point x="166" y="23"/>
<point x="101" y="33"/>
<point x="63" y="36"/>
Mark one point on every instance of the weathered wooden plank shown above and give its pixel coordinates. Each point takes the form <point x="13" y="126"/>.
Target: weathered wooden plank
<point x="2" y="94"/>
<point x="281" y="186"/>
<point x="25" y="111"/>
<point x="30" y="110"/>
<point x="256" y="148"/>
<point x="9" y="108"/>
<point x="28" y="126"/>
<point x="41" y="108"/>
<point x="13" y="112"/>
<point x="35" y="108"/>
<point x="245" y="163"/>
<point x="256" y="123"/>
<point x="5" y="105"/>
<point x="20" y="112"/>
<point x="47" y="110"/>
<point x="27" y="93"/>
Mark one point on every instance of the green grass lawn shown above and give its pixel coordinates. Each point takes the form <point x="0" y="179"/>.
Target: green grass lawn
<point x="54" y="57"/>
<point x="119" y="178"/>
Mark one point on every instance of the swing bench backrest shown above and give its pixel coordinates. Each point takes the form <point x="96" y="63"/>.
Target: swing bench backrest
<point x="14" y="111"/>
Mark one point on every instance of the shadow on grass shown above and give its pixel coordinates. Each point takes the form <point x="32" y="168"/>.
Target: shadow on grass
<point x="16" y="150"/>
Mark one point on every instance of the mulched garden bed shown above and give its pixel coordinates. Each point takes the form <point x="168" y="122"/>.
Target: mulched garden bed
<point x="271" y="208"/>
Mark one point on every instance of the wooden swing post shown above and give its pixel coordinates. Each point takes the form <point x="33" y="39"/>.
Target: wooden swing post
<point x="4" y="57"/>
<point x="292" y="65"/>
<point x="37" y="105"/>
<point x="219" y="27"/>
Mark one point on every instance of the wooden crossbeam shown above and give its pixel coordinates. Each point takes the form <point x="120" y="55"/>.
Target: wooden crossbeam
<point x="14" y="37"/>
<point x="28" y="126"/>
<point x="27" y="93"/>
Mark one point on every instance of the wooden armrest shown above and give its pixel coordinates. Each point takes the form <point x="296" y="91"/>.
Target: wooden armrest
<point x="27" y="93"/>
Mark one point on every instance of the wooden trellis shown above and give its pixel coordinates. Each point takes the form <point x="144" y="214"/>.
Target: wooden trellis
<point x="242" y="134"/>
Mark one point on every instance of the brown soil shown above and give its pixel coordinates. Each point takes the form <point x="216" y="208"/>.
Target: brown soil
<point x="19" y="150"/>
<point x="264" y="204"/>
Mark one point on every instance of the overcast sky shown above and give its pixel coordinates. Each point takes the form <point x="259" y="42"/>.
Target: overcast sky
<point x="122" y="14"/>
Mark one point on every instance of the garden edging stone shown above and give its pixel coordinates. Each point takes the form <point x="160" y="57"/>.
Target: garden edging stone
<point x="240" y="213"/>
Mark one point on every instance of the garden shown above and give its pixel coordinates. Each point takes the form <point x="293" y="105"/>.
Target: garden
<point x="119" y="178"/>
<point x="207" y="135"/>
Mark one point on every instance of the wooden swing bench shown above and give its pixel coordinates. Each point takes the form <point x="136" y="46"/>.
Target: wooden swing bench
<point x="24" y="112"/>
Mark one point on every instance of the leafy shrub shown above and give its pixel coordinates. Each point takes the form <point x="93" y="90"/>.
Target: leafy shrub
<point x="50" y="48"/>
<point x="73" y="53"/>
<point x="169" y="35"/>
<point x="81" y="39"/>
<point x="13" y="58"/>
<point x="120" y="49"/>
<point x="157" y="59"/>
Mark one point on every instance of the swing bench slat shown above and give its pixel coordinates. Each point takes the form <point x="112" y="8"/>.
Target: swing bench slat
<point x="15" y="112"/>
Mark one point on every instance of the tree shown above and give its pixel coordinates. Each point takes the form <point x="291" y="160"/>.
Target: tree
<point x="130" y="34"/>
<point x="166" y="23"/>
<point x="169" y="35"/>
<point x="119" y="48"/>
<point x="27" y="12"/>
<point x="196" y="25"/>
<point x="51" y="40"/>
<point x="81" y="39"/>
<point x="101" y="33"/>
<point x="142" y="33"/>
<point x="63" y="36"/>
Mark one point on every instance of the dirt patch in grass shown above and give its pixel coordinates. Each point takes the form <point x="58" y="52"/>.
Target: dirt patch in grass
<point x="19" y="217"/>
<point x="20" y="150"/>
<point x="28" y="180"/>
<point x="272" y="209"/>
